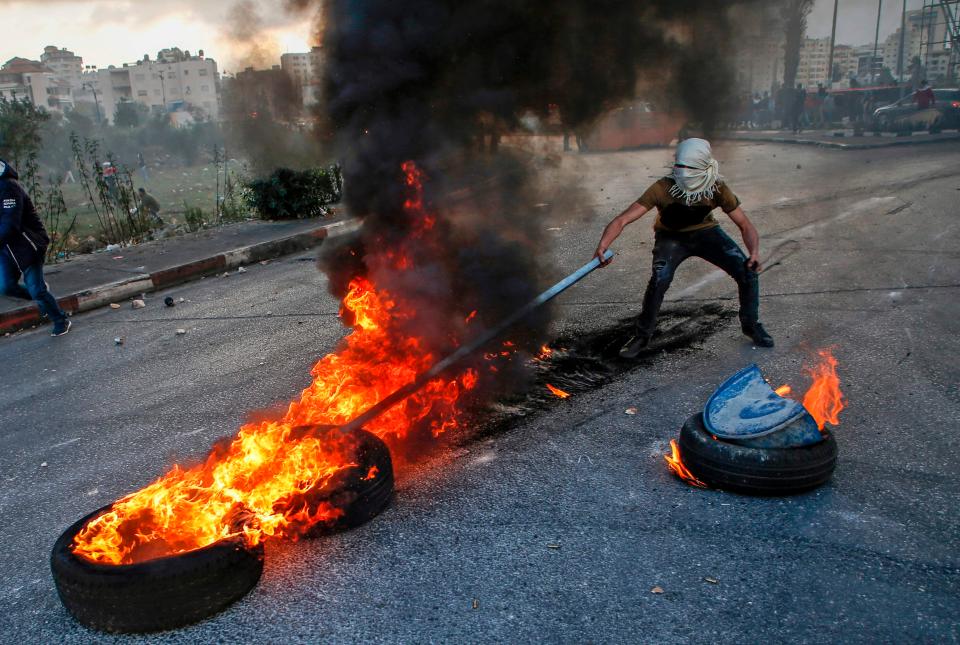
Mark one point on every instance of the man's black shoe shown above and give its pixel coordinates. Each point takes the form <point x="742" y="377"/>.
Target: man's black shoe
<point x="634" y="346"/>
<point x="758" y="334"/>
<point x="61" y="327"/>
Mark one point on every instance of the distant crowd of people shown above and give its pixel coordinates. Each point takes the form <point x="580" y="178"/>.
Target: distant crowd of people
<point x="796" y="109"/>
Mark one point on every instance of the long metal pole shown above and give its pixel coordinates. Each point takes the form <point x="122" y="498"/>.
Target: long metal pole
<point x="876" y="42"/>
<point x="833" y="43"/>
<point x="439" y="368"/>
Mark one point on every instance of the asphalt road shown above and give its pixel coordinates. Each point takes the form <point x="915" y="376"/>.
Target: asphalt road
<point x="557" y="529"/>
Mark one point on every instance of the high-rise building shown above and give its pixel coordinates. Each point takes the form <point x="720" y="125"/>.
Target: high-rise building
<point x="66" y="65"/>
<point x="926" y="36"/>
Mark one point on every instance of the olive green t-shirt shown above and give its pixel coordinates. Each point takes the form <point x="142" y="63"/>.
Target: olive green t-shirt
<point x="674" y="216"/>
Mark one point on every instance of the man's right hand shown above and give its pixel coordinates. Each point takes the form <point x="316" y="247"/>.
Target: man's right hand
<point x="599" y="254"/>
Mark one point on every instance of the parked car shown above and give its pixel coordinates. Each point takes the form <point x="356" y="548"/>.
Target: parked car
<point x="904" y="114"/>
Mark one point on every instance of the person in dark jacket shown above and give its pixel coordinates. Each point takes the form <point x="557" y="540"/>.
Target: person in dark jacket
<point x="23" y="246"/>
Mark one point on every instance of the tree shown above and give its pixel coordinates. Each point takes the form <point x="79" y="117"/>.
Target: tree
<point x="886" y="77"/>
<point x="20" y="129"/>
<point x="794" y="14"/>
<point x="128" y="114"/>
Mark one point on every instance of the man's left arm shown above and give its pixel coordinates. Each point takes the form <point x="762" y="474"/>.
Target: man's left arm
<point x="751" y="238"/>
<point x="11" y="212"/>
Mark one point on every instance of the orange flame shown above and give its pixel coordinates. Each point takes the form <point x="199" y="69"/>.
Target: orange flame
<point x="784" y="390"/>
<point x="676" y="465"/>
<point x="260" y="485"/>
<point x="558" y="392"/>
<point x="545" y="352"/>
<point x="372" y="473"/>
<point x="824" y="400"/>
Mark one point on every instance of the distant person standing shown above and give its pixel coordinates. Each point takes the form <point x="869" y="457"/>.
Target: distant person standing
<point x="142" y="164"/>
<point x="23" y="246"/>
<point x="924" y="97"/>
<point x="110" y="179"/>
<point x="797" y="106"/>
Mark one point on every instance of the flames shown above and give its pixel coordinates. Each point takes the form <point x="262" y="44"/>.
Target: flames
<point x="263" y="483"/>
<point x="823" y="400"/>
<point x="557" y="392"/>
<point x="676" y="465"/>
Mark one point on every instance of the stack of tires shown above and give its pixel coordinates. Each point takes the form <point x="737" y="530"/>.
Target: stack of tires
<point x="755" y="471"/>
<point x="177" y="590"/>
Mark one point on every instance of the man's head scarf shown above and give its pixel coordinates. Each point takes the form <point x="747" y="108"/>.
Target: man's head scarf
<point x="696" y="172"/>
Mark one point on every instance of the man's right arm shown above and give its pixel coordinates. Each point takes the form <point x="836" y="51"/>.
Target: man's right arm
<point x="613" y="230"/>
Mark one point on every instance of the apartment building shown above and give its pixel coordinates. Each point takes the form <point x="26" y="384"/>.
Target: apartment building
<point x="306" y="71"/>
<point x="21" y="78"/>
<point x="176" y="81"/>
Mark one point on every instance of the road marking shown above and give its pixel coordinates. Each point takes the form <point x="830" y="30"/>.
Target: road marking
<point x="66" y="443"/>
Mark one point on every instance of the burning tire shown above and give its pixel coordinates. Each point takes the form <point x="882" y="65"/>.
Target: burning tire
<point x="361" y="491"/>
<point x="157" y="594"/>
<point x="176" y="590"/>
<point x="756" y="471"/>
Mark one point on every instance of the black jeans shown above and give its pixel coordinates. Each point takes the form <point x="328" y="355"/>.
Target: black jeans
<point x="714" y="246"/>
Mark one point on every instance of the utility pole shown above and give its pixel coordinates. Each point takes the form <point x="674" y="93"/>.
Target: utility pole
<point x="163" y="91"/>
<point x="903" y="34"/>
<point x="876" y="44"/>
<point x="833" y="43"/>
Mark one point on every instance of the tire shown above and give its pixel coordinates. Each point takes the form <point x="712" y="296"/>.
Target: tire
<point x="157" y="594"/>
<point x="353" y="490"/>
<point x="755" y="471"/>
<point x="177" y="590"/>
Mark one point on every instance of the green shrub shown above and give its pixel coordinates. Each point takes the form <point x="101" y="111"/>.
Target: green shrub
<point x="195" y="218"/>
<point x="292" y="194"/>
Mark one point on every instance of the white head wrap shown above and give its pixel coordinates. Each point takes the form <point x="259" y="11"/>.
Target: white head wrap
<point x="695" y="172"/>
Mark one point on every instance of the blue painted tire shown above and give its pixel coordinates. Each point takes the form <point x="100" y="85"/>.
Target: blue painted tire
<point x="755" y="471"/>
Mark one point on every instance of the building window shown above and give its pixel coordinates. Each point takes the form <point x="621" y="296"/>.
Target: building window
<point x="186" y="72"/>
<point x="203" y="72"/>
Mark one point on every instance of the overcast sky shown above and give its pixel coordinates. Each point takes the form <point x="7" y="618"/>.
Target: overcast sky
<point x="115" y="31"/>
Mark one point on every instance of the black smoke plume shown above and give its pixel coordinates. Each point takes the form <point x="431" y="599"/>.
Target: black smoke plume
<point x="434" y="81"/>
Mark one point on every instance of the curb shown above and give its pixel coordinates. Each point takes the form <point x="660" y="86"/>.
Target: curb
<point x="890" y="142"/>
<point x="102" y="295"/>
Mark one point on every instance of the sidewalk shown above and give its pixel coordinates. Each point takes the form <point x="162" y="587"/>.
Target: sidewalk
<point x="841" y="138"/>
<point x="90" y="281"/>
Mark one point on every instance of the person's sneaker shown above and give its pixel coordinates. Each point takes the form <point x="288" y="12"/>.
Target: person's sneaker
<point x="758" y="335"/>
<point x="61" y="327"/>
<point x="635" y="345"/>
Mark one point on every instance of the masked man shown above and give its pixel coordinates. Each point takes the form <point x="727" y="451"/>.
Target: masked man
<point x="23" y="245"/>
<point x="686" y="227"/>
